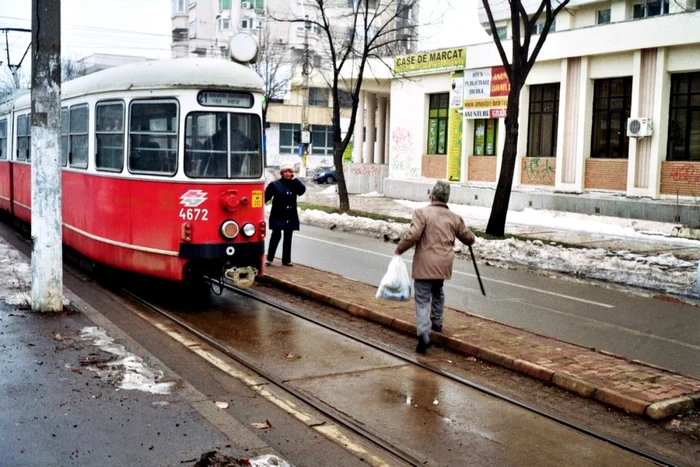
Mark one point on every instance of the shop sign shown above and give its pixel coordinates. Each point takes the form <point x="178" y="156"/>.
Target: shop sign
<point x="437" y="60"/>
<point x="486" y="93"/>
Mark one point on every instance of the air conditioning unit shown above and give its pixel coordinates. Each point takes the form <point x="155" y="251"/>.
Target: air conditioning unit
<point x="639" y="127"/>
<point x="246" y="5"/>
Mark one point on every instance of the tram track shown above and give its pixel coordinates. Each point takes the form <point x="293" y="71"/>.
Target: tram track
<point x="348" y="422"/>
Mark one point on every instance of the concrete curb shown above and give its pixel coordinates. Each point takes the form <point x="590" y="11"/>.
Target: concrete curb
<point x="628" y="404"/>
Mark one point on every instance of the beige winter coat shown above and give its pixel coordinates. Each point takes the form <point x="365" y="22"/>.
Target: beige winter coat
<point x="433" y="231"/>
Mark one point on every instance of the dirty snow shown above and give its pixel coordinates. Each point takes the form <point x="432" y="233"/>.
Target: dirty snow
<point x="127" y="371"/>
<point x="659" y="273"/>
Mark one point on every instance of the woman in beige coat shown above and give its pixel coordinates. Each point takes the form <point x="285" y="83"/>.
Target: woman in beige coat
<point x="433" y="231"/>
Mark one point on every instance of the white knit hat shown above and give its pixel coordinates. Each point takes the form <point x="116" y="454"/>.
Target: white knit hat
<point x="286" y="166"/>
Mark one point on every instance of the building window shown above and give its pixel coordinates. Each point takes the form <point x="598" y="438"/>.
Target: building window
<point x="539" y="27"/>
<point x="321" y="139"/>
<point x="437" y="123"/>
<point x="191" y="3"/>
<point x="318" y="97"/>
<point x="179" y="6"/>
<point x="224" y="24"/>
<point x="290" y="138"/>
<point x="603" y="16"/>
<point x="345" y="99"/>
<point x="502" y="32"/>
<point x="24" y="146"/>
<point x="650" y="8"/>
<point x="193" y="28"/>
<point x="247" y="23"/>
<point x="543" y="120"/>
<point x="3" y="139"/>
<point x="611" y="109"/>
<point x="224" y="5"/>
<point x="109" y="136"/>
<point x="684" y="123"/>
<point x="485" y="137"/>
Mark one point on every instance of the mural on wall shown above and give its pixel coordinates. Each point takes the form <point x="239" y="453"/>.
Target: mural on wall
<point x="405" y="155"/>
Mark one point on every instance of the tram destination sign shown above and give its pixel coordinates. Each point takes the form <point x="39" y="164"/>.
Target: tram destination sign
<point x="226" y="99"/>
<point x="431" y="62"/>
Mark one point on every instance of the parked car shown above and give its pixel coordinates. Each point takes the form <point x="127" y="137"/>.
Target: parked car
<point x="325" y="175"/>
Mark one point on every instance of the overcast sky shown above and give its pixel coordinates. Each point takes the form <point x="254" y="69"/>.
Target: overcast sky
<point x="142" y="27"/>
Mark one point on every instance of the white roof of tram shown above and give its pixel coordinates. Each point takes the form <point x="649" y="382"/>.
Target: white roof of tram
<point x="184" y="73"/>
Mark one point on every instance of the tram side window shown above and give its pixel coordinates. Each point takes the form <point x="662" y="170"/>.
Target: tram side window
<point x="78" y="151"/>
<point x="3" y="139"/>
<point x="222" y="145"/>
<point x="109" y="135"/>
<point x="23" y="139"/>
<point x="65" y="120"/>
<point x="153" y="137"/>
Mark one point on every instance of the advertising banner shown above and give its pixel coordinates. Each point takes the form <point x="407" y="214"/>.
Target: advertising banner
<point x="486" y="93"/>
<point x="454" y="135"/>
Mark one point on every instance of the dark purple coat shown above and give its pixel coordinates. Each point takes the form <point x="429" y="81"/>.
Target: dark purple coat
<point x="283" y="193"/>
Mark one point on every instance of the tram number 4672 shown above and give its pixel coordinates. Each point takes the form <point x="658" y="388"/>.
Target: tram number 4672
<point x="194" y="214"/>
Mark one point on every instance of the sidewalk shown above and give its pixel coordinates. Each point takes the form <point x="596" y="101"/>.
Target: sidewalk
<point x="632" y="387"/>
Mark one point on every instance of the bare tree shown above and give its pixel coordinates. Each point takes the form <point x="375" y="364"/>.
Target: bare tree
<point x="71" y="69"/>
<point x="523" y="25"/>
<point x="355" y="32"/>
<point x="275" y="66"/>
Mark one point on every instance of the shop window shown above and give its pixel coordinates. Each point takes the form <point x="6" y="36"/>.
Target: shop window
<point x="437" y="123"/>
<point x="650" y="8"/>
<point x="485" y="136"/>
<point x="684" y="122"/>
<point x="543" y="120"/>
<point x="611" y="109"/>
<point x="603" y="16"/>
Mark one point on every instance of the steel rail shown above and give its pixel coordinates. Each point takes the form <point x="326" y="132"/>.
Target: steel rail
<point x="329" y="412"/>
<point x="655" y="458"/>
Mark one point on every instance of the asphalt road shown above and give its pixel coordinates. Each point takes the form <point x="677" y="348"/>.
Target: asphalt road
<point x="635" y="326"/>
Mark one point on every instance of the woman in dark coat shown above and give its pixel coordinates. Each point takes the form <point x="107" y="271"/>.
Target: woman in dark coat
<point x="283" y="215"/>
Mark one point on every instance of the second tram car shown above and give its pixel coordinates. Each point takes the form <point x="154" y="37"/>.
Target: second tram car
<point x="162" y="167"/>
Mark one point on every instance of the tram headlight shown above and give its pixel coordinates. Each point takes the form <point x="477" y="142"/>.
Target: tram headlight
<point x="229" y="229"/>
<point x="248" y="229"/>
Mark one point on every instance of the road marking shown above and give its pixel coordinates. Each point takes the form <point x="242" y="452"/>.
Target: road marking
<point x="511" y="284"/>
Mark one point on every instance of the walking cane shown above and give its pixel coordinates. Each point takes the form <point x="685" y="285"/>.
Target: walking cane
<point x="477" y="271"/>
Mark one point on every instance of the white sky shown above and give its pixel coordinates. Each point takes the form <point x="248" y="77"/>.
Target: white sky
<point x="143" y="27"/>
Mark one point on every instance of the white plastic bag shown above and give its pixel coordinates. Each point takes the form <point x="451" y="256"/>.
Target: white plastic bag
<point x="395" y="285"/>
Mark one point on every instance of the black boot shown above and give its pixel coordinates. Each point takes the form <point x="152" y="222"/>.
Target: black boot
<point x="436" y="328"/>
<point x="423" y="344"/>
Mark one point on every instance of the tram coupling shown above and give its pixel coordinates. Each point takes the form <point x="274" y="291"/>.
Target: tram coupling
<point x="242" y="277"/>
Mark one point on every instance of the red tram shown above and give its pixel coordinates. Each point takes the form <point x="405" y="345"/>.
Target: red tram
<point x="162" y="167"/>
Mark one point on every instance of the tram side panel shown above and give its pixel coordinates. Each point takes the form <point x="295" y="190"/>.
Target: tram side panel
<point x="22" y="191"/>
<point x="5" y="194"/>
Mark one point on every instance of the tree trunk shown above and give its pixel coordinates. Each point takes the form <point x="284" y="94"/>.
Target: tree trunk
<point x="497" y="221"/>
<point x="343" y="198"/>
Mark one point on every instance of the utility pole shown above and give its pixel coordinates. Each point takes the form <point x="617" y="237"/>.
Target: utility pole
<point x="47" y="239"/>
<point x="306" y="71"/>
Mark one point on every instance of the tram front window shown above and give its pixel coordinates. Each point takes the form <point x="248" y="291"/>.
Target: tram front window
<point x="222" y="145"/>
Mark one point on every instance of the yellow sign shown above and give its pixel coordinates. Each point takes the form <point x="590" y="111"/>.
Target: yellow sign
<point x="437" y="60"/>
<point x="480" y="103"/>
<point x="257" y="198"/>
<point x="454" y="122"/>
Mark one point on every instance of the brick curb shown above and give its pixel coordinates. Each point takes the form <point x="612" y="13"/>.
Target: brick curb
<point x="656" y="411"/>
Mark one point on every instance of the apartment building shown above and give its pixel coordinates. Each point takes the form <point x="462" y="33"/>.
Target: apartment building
<point x="204" y="27"/>
<point x="610" y="111"/>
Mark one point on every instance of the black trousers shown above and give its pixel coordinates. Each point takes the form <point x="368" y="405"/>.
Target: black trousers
<point x="286" y="245"/>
